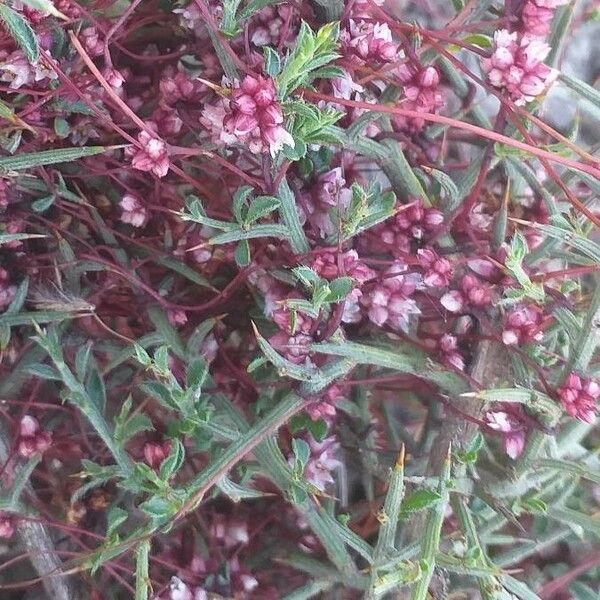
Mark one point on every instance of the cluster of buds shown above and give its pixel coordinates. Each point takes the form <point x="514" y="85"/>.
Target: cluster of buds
<point x="390" y="302"/>
<point x="7" y="526"/>
<point x="133" y="212"/>
<point x="513" y="434"/>
<point x="17" y="71"/>
<point x="472" y="293"/>
<point x="254" y="116"/>
<point x="176" y="88"/>
<point x="156" y="452"/>
<point x="537" y="15"/>
<point x="522" y="326"/>
<point x="517" y="66"/>
<point x="437" y="270"/>
<point x="369" y="42"/>
<point x="579" y="396"/>
<point x="448" y="347"/>
<point x="229" y="532"/>
<point x="324" y="406"/>
<point x="421" y="94"/>
<point x="267" y="26"/>
<point x="294" y="339"/>
<point x="178" y="590"/>
<point x="326" y="266"/>
<point x="329" y="192"/>
<point x="7" y="290"/>
<point x="322" y="462"/>
<point x="415" y="220"/>
<point x="31" y="439"/>
<point x="152" y="154"/>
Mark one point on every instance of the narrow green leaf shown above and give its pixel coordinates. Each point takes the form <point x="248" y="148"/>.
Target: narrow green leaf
<point x="289" y="215"/>
<point x="47" y="157"/>
<point x="21" y="32"/>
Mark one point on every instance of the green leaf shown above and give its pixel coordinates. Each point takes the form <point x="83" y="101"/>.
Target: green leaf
<point x="309" y="54"/>
<point x="21" y="32"/>
<point x="258" y="231"/>
<point x="242" y="254"/>
<point x="240" y="202"/>
<point x="260" y="207"/>
<point x="339" y="288"/>
<point x="47" y="157"/>
<point x="272" y="61"/>
<point x="173" y="462"/>
<point x="157" y="508"/>
<point x="115" y="517"/>
<point x="5" y="238"/>
<point x="43" y="204"/>
<point x="301" y="451"/>
<point x="421" y="500"/>
<point x="97" y="391"/>
<point x="290" y="216"/>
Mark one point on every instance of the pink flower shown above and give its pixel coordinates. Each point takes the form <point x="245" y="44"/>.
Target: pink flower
<point x="230" y="532"/>
<point x="176" y="317"/>
<point x="176" y="88"/>
<point x="421" y="94"/>
<point x="517" y="65"/>
<point x="324" y="406"/>
<point x="179" y="590"/>
<point x="295" y="348"/>
<point x="7" y="526"/>
<point x="133" y="211"/>
<point x="322" y="462"/>
<point x="7" y="291"/>
<point x="156" y="452"/>
<point x="522" y="326"/>
<point x="253" y="116"/>
<point x="30" y="439"/>
<point x="326" y="265"/>
<point x="437" y="270"/>
<point x="579" y="396"/>
<point x="389" y="302"/>
<point x="153" y="155"/>
<point x="473" y="293"/>
<point x="537" y="15"/>
<point x="414" y="219"/>
<point x="113" y="77"/>
<point x="366" y="41"/>
<point x="513" y="438"/>
<point x="448" y="345"/>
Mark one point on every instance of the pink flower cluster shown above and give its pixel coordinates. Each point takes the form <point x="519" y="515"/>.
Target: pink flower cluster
<point x="513" y="437"/>
<point x="473" y="293"/>
<point x="438" y="271"/>
<point x="7" y="290"/>
<point x="322" y="462"/>
<point x="152" y="155"/>
<point x="448" y="346"/>
<point x="254" y="116"/>
<point x="31" y="439"/>
<point x="7" y="526"/>
<point x="579" y="397"/>
<point x="522" y="326"/>
<point x="133" y="211"/>
<point x="390" y="302"/>
<point x="370" y="42"/>
<point x="421" y="94"/>
<point x="537" y="15"/>
<point x="517" y="66"/>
